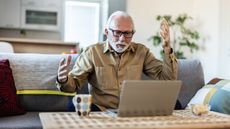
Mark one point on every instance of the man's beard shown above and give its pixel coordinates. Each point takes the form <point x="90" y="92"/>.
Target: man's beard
<point x="119" y="47"/>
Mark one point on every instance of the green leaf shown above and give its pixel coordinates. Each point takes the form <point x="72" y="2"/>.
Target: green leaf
<point x="156" y="40"/>
<point x="179" y="55"/>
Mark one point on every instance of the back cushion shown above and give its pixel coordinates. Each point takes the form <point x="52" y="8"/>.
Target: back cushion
<point x="190" y="71"/>
<point x="35" y="81"/>
<point x="35" y="71"/>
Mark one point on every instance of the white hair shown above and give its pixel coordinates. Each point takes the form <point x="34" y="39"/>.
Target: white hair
<point x="121" y="14"/>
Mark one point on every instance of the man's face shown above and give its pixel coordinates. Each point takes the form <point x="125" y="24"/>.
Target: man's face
<point x="120" y="34"/>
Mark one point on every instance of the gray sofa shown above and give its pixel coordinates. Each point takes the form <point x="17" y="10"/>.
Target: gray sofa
<point x="38" y="71"/>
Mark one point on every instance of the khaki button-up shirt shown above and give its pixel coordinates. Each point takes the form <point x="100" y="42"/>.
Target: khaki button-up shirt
<point x="105" y="70"/>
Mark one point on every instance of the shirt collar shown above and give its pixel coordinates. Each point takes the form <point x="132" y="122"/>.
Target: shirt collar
<point x="107" y="48"/>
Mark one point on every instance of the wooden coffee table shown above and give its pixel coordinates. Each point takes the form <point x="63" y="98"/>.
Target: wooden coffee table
<point x="182" y="119"/>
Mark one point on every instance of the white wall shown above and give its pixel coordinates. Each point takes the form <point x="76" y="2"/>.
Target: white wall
<point x="224" y="56"/>
<point x="144" y="12"/>
<point x="205" y="15"/>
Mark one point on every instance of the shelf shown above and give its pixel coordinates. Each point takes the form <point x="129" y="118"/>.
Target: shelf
<point x="21" y="45"/>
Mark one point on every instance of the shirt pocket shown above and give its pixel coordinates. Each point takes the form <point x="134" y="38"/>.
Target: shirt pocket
<point x="134" y="72"/>
<point x="106" y="77"/>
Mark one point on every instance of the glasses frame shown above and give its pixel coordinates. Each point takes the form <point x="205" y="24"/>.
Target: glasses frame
<point x="118" y="33"/>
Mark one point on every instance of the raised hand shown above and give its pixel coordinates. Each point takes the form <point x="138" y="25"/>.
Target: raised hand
<point x="165" y="35"/>
<point x="63" y="70"/>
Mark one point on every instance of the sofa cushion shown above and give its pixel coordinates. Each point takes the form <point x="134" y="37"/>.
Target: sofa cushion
<point x="190" y="72"/>
<point x="9" y="104"/>
<point x="46" y="100"/>
<point x="30" y="120"/>
<point x="37" y="73"/>
<point x="217" y="95"/>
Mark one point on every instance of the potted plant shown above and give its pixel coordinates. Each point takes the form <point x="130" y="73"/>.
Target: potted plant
<point x="183" y="36"/>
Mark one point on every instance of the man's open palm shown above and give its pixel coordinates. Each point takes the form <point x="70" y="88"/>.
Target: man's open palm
<point x="64" y="67"/>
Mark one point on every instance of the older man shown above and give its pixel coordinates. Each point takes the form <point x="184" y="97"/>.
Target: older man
<point x="106" y="65"/>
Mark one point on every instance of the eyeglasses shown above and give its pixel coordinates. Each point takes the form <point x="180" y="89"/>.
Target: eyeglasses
<point x="118" y="33"/>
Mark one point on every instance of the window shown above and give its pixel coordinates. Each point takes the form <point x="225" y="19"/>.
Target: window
<point x="83" y="21"/>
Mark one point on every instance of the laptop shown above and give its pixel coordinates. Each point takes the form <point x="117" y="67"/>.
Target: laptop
<point x="147" y="98"/>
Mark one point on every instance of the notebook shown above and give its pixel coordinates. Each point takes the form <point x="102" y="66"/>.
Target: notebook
<point x="147" y="98"/>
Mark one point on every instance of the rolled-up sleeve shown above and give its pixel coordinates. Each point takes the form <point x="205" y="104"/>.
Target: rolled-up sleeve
<point x="78" y="75"/>
<point x="161" y="70"/>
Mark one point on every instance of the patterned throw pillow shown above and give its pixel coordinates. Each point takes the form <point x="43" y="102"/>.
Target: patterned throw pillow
<point x="9" y="104"/>
<point x="216" y="93"/>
